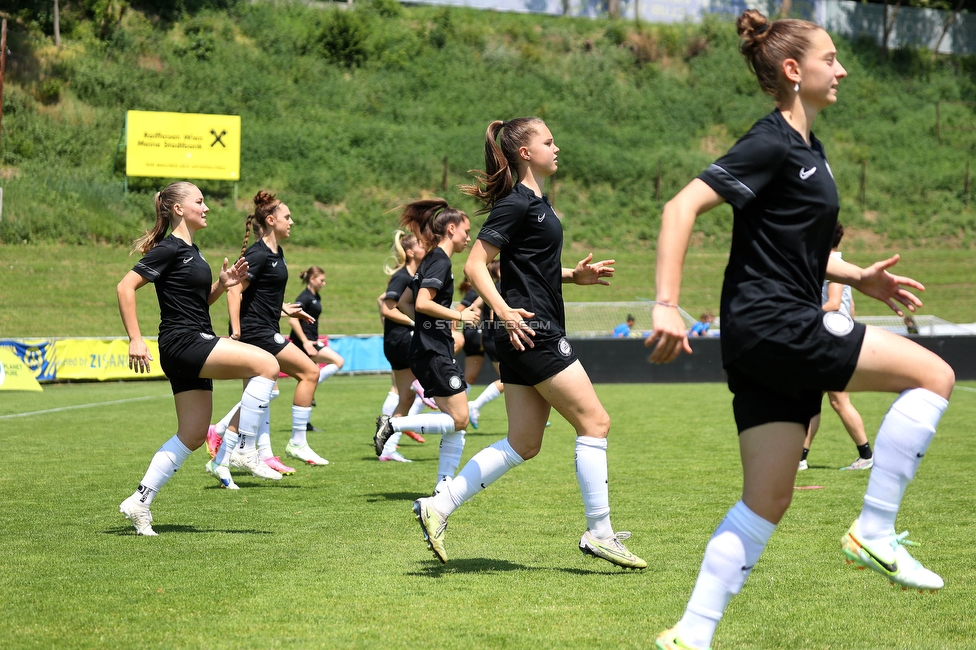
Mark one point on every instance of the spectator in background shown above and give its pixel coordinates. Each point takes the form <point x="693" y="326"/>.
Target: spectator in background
<point x="622" y="331"/>
<point x="910" y="324"/>
<point x="701" y="327"/>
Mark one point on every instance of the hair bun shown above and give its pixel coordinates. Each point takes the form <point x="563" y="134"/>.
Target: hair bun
<point x="263" y="198"/>
<point x="751" y="24"/>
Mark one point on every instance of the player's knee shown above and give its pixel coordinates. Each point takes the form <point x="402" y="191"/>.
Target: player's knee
<point x="310" y="374"/>
<point x="598" y="426"/>
<point x="938" y="377"/>
<point x="527" y="452"/>
<point x="340" y="362"/>
<point x="460" y="422"/>
<point x="268" y="367"/>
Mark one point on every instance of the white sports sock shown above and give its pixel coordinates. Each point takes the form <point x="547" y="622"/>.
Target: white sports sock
<point x="487" y="395"/>
<point x="417" y="406"/>
<point x="231" y="440"/>
<point x="164" y="464"/>
<point x="391" y="444"/>
<point x="484" y="468"/>
<point x="299" y="424"/>
<point x="221" y="426"/>
<point x="390" y="403"/>
<point x="731" y="554"/>
<point x="452" y="447"/>
<point x="254" y="403"/>
<point x="264" y="438"/>
<point x="904" y="437"/>
<point x="424" y="424"/>
<point x="591" y="474"/>
<point x="327" y="371"/>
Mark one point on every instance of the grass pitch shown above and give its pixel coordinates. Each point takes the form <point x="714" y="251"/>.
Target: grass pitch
<point x="332" y="556"/>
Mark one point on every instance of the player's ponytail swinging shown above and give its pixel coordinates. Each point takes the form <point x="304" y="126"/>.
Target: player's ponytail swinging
<point x="164" y="200"/>
<point x="429" y="219"/>
<point x="501" y="161"/>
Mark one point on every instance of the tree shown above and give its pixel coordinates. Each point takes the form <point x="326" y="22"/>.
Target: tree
<point x="949" y="18"/>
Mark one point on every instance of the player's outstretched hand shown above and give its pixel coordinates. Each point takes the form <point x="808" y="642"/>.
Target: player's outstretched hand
<point x="139" y="356"/>
<point x="294" y="310"/>
<point x="519" y="332"/>
<point x="470" y="316"/>
<point x="593" y="273"/>
<point x="233" y="275"/>
<point x="878" y="283"/>
<point x="669" y="338"/>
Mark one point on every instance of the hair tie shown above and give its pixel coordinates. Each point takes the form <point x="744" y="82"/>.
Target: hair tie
<point x="504" y="124"/>
<point x="761" y="29"/>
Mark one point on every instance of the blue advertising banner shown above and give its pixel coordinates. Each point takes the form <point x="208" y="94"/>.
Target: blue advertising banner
<point x="37" y="354"/>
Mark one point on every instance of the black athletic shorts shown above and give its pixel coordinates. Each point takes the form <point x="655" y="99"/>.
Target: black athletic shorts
<point x="438" y="374"/>
<point x="777" y="382"/>
<point x="533" y="365"/>
<point x="472" y="342"/>
<point x="273" y="342"/>
<point x="397" y="349"/>
<point x="491" y="350"/>
<point x="182" y="359"/>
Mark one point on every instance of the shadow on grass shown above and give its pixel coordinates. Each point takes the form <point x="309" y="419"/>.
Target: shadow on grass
<point x="277" y="485"/>
<point x="123" y="531"/>
<point x="434" y="569"/>
<point x="393" y="496"/>
<point x="372" y="459"/>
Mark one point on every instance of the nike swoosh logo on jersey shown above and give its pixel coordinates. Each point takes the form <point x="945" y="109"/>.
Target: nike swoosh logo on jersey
<point x="273" y="264"/>
<point x="186" y="260"/>
<point x="807" y="173"/>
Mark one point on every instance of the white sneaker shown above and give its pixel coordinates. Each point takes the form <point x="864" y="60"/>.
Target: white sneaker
<point x="305" y="454"/>
<point x="860" y="463"/>
<point x="222" y="474"/>
<point x="473" y="414"/>
<point x="139" y="515"/>
<point x="803" y="466"/>
<point x="889" y="557"/>
<point x="253" y="464"/>
<point x="394" y="456"/>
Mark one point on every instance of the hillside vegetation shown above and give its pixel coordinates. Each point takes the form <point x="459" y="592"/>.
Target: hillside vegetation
<point x="349" y="113"/>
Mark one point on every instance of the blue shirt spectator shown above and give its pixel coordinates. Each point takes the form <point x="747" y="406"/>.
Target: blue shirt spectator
<point x="701" y="327"/>
<point x="622" y="331"/>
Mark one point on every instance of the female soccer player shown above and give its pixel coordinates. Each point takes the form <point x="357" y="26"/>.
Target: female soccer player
<point x="443" y="231"/>
<point x="397" y="333"/>
<point x="256" y="306"/>
<point x="189" y="352"/>
<point x="305" y="335"/>
<point x="538" y="366"/>
<point x="780" y="349"/>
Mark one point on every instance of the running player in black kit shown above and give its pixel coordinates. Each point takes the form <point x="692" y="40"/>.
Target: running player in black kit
<point x="305" y="334"/>
<point x="190" y="353"/>
<point x="443" y="230"/>
<point x="256" y="306"/>
<point x="780" y="349"/>
<point x="538" y="366"/>
<point x="397" y="332"/>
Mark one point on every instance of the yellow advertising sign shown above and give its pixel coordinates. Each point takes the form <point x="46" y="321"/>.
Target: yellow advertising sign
<point x="183" y="145"/>
<point x="14" y="373"/>
<point x="101" y="360"/>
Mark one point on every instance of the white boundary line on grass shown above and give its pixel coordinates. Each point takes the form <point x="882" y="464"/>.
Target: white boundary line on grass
<point x="80" y="406"/>
<point x="971" y="390"/>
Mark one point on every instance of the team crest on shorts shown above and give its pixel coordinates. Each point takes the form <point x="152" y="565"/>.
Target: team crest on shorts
<point x="564" y="348"/>
<point x="455" y="382"/>
<point x="838" y="323"/>
<point x="279" y="339"/>
<point x="206" y="337"/>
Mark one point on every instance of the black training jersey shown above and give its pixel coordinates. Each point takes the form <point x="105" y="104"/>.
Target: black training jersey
<point x="312" y="305"/>
<point x="469" y="298"/>
<point x="183" y="280"/>
<point x="398" y="283"/>
<point x="433" y="334"/>
<point x="528" y="233"/>
<point x="264" y="296"/>
<point x="785" y="208"/>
